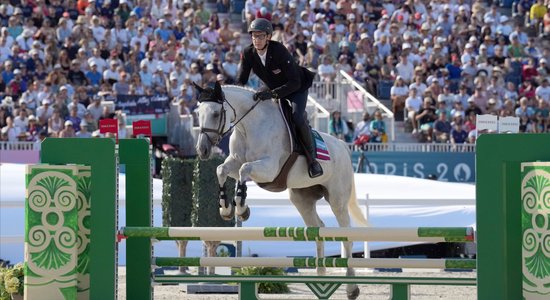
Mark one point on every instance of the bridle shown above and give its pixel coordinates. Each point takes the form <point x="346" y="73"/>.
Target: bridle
<point x="221" y="132"/>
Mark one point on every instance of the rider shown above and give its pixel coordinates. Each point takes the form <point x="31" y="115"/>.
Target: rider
<point x="284" y="78"/>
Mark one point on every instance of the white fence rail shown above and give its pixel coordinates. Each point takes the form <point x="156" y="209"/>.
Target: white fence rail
<point x="19" y="146"/>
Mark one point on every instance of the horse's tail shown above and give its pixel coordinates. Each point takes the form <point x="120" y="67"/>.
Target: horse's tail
<point x="354" y="208"/>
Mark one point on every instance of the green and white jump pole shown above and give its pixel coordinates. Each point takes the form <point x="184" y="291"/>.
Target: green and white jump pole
<point x="419" y="234"/>
<point x="314" y="262"/>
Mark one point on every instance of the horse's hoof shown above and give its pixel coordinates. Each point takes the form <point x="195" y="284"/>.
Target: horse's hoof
<point x="245" y="215"/>
<point x="354" y="293"/>
<point x="230" y="216"/>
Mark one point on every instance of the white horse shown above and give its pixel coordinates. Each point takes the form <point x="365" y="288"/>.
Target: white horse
<point x="259" y="146"/>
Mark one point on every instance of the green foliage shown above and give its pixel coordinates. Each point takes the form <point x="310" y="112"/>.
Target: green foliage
<point x="11" y="281"/>
<point x="205" y="192"/>
<point x="177" y="193"/>
<point x="266" y="287"/>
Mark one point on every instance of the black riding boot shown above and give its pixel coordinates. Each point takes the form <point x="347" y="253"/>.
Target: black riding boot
<point x="314" y="168"/>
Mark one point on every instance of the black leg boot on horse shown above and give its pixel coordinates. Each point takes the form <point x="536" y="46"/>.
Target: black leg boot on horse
<point x="304" y="134"/>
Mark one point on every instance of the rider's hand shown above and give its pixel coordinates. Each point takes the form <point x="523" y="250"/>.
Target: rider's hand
<point x="264" y="95"/>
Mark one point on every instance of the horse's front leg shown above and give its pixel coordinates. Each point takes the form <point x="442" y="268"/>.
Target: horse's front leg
<point x="230" y="167"/>
<point x="260" y="171"/>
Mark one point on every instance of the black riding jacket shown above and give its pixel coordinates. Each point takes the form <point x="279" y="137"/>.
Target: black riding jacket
<point x="281" y="73"/>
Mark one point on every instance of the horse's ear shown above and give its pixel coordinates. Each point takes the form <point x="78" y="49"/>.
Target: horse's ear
<point x="198" y="87"/>
<point x="218" y="91"/>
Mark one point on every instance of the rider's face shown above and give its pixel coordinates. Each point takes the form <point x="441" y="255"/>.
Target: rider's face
<point x="259" y="39"/>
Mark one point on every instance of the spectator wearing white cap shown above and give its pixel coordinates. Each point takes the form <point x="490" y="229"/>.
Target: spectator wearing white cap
<point x="209" y="76"/>
<point x="145" y="75"/>
<point x="98" y="60"/>
<point x="94" y="76"/>
<point x="159" y="81"/>
<point x="305" y="20"/>
<point x="68" y="131"/>
<point x="319" y="38"/>
<point x="25" y="40"/>
<point x="203" y="53"/>
<point x="83" y="132"/>
<point x="543" y="69"/>
<point x="140" y="38"/>
<point x="399" y="92"/>
<point x="172" y="86"/>
<point x="504" y="26"/>
<point x="194" y="73"/>
<point x="468" y="54"/>
<point x="111" y="75"/>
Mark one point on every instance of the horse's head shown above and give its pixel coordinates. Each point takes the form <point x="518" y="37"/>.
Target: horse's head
<point x="213" y="120"/>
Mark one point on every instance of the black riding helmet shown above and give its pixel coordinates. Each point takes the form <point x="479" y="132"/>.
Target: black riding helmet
<point x="260" y="24"/>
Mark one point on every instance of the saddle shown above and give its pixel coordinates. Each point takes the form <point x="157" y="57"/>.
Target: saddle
<point x="279" y="183"/>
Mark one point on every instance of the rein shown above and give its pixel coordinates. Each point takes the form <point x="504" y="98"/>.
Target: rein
<point x="221" y="126"/>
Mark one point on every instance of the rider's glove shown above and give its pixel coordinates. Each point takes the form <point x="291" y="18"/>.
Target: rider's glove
<point x="264" y="95"/>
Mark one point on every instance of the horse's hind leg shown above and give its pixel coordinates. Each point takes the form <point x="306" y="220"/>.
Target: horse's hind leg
<point x="305" y="201"/>
<point x="338" y="200"/>
<point x="230" y="167"/>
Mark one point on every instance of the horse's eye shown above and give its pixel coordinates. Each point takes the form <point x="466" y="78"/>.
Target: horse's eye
<point x="216" y="115"/>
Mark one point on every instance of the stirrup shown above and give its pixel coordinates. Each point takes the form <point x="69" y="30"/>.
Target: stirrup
<point x="315" y="170"/>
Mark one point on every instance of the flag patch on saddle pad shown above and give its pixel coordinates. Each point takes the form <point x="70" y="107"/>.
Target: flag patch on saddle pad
<point x="320" y="147"/>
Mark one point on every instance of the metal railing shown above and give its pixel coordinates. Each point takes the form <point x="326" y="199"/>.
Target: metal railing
<point x="19" y="146"/>
<point x="320" y="115"/>
<point x="413" y="147"/>
<point x="334" y="96"/>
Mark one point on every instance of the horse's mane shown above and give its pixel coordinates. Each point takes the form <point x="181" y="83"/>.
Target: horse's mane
<point x="245" y="88"/>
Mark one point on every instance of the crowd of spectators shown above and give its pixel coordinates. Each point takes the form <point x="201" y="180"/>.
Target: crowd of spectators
<point x="441" y="61"/>
<point x="61" y="60"/>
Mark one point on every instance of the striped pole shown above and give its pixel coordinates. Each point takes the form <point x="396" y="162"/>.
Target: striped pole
<point x="313" y="262"/>
<point x="412" y="234"/>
